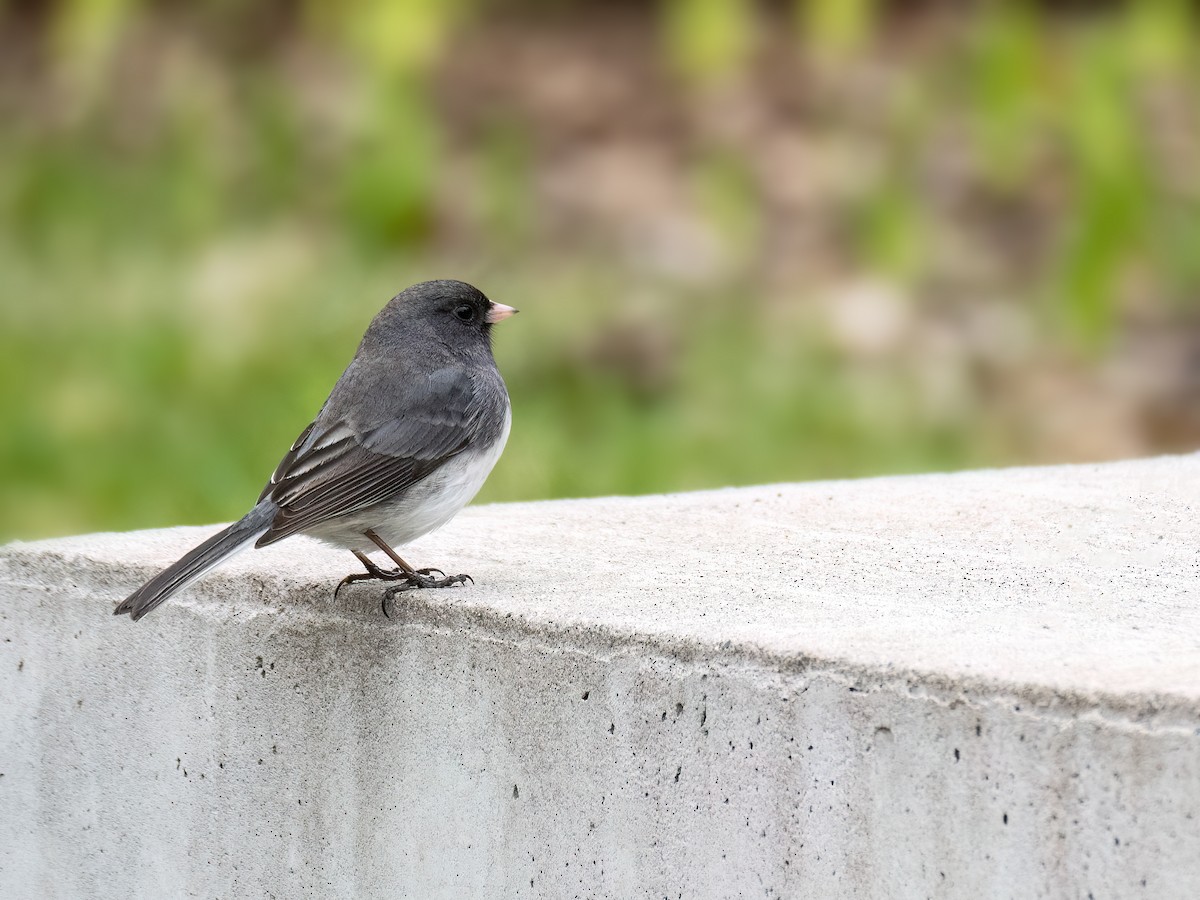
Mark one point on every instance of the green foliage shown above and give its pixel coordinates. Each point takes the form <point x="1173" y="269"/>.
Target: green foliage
<point x="391" y="173"/>
<point x="836" y="27"/>
<point x="85" y="36"/>
<point x="1007" y="97"/>
<point x="728" y="197"/>
<point x="390" y="40"/>
<point x="145" y="413"/>
<point x="1160" y="35"/>
<point x="177" y="295"/>
<point x="505" y="186"/>
<point x="708" y="39"/>
<point x="1111" y="176"/>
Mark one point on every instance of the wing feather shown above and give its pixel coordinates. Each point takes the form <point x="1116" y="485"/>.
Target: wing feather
<point x="340" y="466"/>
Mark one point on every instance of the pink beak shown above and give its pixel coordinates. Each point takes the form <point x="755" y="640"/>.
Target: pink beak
<point x="498" y="311"/>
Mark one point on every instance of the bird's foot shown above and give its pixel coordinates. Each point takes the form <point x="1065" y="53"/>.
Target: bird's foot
<point x="409" y="580"/>
<point x="421" y="578"/>
<point x="373" y="573"/>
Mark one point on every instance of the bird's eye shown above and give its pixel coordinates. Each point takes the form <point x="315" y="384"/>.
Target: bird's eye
<point x="464" y="312"/>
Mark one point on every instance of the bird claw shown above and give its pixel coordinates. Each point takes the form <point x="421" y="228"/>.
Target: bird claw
<point x="420" y="578"/>
<point x="351" y="579"/>
<point x="423" y="579"/>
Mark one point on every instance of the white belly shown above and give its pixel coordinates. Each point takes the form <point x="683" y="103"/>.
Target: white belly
<point x="427" y="505"/>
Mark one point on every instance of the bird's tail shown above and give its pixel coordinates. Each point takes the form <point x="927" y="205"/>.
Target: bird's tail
<point x="197" y="561"/>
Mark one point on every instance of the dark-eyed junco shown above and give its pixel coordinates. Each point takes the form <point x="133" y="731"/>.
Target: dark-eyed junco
<point x="405" y="440"/>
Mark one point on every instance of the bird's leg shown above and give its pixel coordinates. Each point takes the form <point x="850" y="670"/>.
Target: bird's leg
<point x="411" y="578"/>
<point x="373" y="573"/>
<point x="415" y="578"/>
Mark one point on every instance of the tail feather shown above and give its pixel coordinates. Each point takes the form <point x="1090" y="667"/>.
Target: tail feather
<point x="198" y="561"/>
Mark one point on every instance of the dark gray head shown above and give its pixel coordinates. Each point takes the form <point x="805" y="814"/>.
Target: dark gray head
<point x="453" y="313"/>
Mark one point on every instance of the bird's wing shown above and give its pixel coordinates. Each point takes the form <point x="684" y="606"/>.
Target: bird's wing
<point x="342" y="464"/>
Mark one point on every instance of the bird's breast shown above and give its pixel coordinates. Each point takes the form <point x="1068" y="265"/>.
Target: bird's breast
<point x="427" y="505"/>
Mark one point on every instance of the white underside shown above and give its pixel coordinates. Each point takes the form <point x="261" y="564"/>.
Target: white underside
<point x="425" y="507"/>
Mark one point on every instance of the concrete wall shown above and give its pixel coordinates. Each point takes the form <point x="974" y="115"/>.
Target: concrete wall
<point x="978" y="685"/>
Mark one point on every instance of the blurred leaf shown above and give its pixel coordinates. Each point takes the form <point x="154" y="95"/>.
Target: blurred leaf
<point x="1095" y="258"/>
<point x="836" y="27"/>
<point x="507" y="184"/>
<point x="1099" y="113"/>
<point x="1008" y="89"/>
<point x="709" y="39"/>
<point x="1175" y="242"/>
<point x="84" y="38"/>
<point x="730" y="199"/>
<point x="388" y="37"/>
<point x="1112" y="190"/>
<point x="194" y="202"/>
<point x="277" y="165"/>
<point x="1160" y="34"/>
<point x="390" y="177"/>
<point x="890" y="231"/>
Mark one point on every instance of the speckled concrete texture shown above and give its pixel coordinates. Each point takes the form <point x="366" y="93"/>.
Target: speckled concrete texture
<point x="974" y="685"/>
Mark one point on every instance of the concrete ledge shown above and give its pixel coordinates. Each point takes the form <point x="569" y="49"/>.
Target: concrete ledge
<point x="975" y="685"/>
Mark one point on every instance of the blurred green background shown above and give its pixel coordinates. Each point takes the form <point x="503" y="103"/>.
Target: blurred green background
<point x="750" y="242"/>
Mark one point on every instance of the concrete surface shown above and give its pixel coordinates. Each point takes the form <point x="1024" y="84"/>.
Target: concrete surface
<point x="975" y="685"/>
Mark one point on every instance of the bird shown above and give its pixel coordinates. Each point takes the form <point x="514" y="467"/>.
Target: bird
<point x="406" y="438"/>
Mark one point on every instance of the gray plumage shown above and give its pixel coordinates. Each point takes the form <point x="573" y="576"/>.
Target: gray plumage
<point x="405" y="439"/>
